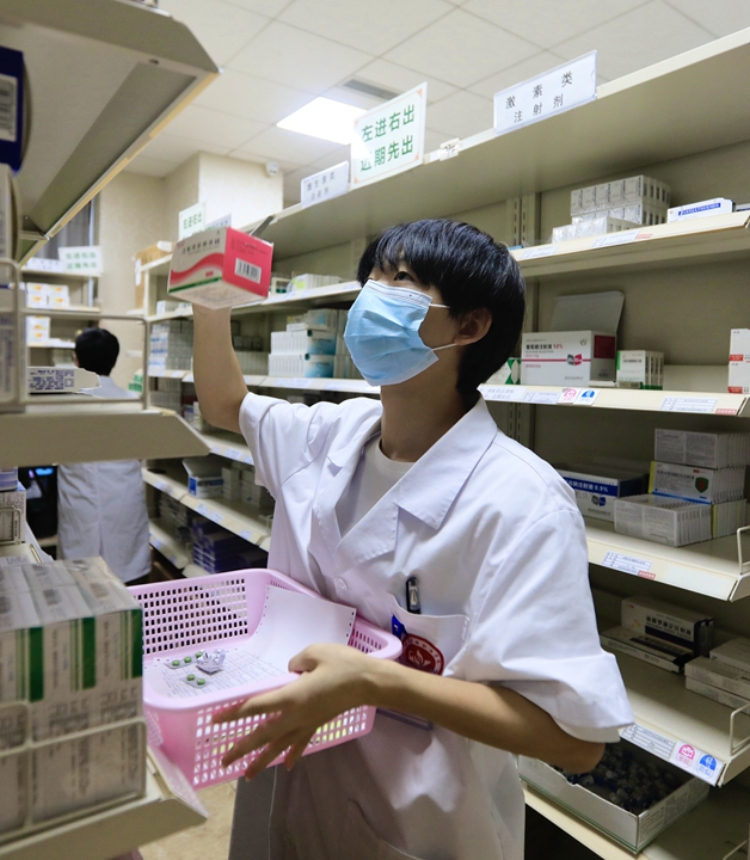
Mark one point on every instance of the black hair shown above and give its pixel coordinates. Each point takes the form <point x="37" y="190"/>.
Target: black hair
<point x="96" y="350"/>
<point x="472" y="271"/>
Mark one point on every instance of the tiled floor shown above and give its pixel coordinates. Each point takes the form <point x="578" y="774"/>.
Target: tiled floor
<point x="210" y="841"/>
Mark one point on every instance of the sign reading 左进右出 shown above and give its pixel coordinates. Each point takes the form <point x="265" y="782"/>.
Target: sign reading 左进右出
<point x="389" y="138"/>
<point x="556" y="91"/>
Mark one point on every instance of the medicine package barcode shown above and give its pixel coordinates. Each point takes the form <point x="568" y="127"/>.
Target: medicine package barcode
<point x="248" y="270"/>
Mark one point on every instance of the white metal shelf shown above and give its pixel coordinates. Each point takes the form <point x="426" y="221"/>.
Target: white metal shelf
<point x="170" y="548"/>
<point x="228" y="445"/>
<point x="707" y="832"/>
<point x="236" y="517"/>
<point x="678" y="243"/>
<point x="711" y="567"/>
<point x="686" y="402"/>
<point x="351" y="386"/>
<point x="668" y="716"/>
<point x="706" y="83"/>
<point x="169" y="805"/>
<point x="84" y="432"/>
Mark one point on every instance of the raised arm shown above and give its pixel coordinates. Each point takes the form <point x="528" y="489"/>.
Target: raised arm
<point x="219" y="383"/>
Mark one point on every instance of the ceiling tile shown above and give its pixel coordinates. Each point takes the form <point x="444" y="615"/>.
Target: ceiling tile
<point x="222" y="29"/>
<point x="378" y="27"/>
<point x="647" y="35"/>
<point x="399" y="79"/>
<point x="178" y="149"/>
<point x="719" y="17"/>
<point x="215" y="127"/>
<point x="546" y="23"/>
<point x="462" y="49"/>
<point x="293" y="57"/>
<point x="536" y="65"/>
<point x="283" y="145"/>
<point x="150" y="166"/>
<point x="460" y="115"/>
<point x="253" y="98"/>
<point x="271" y="8"/>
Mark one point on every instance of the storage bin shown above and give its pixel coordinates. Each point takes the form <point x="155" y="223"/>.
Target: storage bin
<point x="212" y="612"/>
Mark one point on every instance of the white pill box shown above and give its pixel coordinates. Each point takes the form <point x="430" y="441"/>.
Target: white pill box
<point x="738" y="381"/>
<point x="640" y="368"/>
<point x="310" y="341"/>
<point x="697" y="484"/>
<point x="701" y="209"/>
<point x="721" y="675"/>
<point x="649" y="649"/>
<point x="708" y="450"/>
<point x="567" y="358"/>
<point x="597" y="487"/>
<point x="658" y="618"/>
<point x="301" y="366"/>
<point x="735" y="653"/>
<point x="673" y="522"/>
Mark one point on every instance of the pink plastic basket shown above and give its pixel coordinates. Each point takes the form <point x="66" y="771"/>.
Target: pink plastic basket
<point x="204" y="612"/>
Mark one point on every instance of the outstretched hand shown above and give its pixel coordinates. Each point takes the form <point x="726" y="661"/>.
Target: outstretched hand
<point x="334" y="678"/>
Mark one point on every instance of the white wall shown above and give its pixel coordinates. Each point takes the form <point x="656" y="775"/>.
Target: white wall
<point x="242" y="188"/>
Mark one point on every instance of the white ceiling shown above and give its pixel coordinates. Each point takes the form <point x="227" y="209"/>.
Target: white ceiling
<point x="277" y="55"/>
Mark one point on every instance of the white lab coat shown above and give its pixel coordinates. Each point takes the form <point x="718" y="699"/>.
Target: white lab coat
<point x="498" y="545"/>
<point x="101" y="509"/>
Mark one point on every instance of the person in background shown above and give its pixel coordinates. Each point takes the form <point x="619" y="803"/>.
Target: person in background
<point x="101" y="507"/>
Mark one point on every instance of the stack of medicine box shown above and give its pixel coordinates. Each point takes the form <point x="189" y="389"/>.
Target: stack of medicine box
<point x="309" y="345"/>
<point x="308" y="281"/>
<point x="37" y="330"/>
<point x="71" y="729"/>
<point x="660" y="633"/>
<point x="12" y="507"/>
<point x="47" y="295"/>
<point x="696" y="489"/>
<point x="168" y="394"/>
<point x="205" y="480"/>
<point x="598" y="487"/>
<point x="171" y="346"/>
<point x="217" y="550"/>
<point x="249" y="351"/>
<point x="240" y="486"/>
<point x="641" y="200"/>
<point x="724" y="676"/>
<point x="175" y="518"/>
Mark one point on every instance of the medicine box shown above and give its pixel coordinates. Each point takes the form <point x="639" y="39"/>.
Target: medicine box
<point x="668" y="621"/>
<point x="640" y="368"/>
<point x="220" y="267"/>
<point x="304" y="341"/>
<point x="722" y="675"/>
<point x="309" y="281"/>
<point x="716" y="694"/>
<point x="695" y="483"/>
<point x="634" y="831"/>
<point x="205" y="479"/>
<point x="701" y="209"/>
<point x="597" y="487"/>
<point x="649" y="649"/>
<point x="567" y="358"/>
<point x="669" y="521"/>
<point x="709" y="450"/>
<point x="738" y="381"/>
<point x="727" y="517"/>
<point x="37" y="330"/>
<point x="59" y="380"/>
<point x="319" y="319"/>
<point x="735" y="653"/>
<point x="596" y="224"/>
<point x="302" y="366"/>
<point x="12" y="515"/>
<point x="509" y="373"/>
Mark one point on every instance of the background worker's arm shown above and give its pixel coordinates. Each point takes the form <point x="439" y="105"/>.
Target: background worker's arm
<point x="219" y="383"/>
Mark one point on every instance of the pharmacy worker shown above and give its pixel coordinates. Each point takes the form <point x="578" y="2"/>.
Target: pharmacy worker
<point x="101" y="507"/>
<point x="419" y="512"/>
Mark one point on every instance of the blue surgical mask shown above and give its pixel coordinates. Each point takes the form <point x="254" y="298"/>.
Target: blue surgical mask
<point x="382" y="333"/>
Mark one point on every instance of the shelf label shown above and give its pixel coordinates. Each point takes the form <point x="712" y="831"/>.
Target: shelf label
<point x="624" y="237"/>
<point x="233" y="454"/>
<point x="324" y="185"/>
<point x="679" y="753"/>
<point x="549" y="398"/>
<point x="389" y="138"/>
<point x="503" y="393"/>
<point x="156" y="542"/>
<point x="210" y="513"/>
<point x="587" y="396"/>
<point x="534" y="253"/>
<point x="628" y="564"/>
<point x="689" y="404"/>
<point x="558" y="90"/>
<point x="250" y="536"/>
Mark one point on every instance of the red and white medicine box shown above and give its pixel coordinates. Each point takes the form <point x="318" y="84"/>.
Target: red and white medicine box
<point x="220" y="267"/>
<point x="568" y="358"/>
<point x="739" y="361"/>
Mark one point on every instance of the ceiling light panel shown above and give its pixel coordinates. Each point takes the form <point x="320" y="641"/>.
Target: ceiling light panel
<point x="325" y="119"/>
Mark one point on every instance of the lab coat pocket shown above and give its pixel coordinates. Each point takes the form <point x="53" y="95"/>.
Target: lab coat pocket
<point x="429" y="642"/>
<point x="359" y="841"/>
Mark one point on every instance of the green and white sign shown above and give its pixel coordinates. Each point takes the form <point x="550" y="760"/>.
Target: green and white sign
<point x="389" y="139"/>
<point x="83" y="260"/>
<point x="192" y="220"/>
